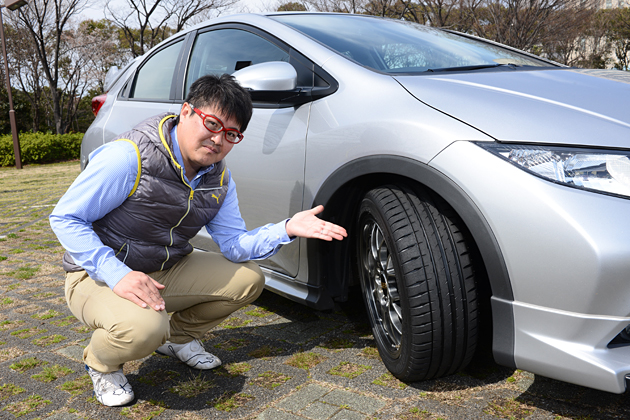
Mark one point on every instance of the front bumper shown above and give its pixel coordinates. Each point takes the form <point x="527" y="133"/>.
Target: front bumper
<point x="567" y="253"/>
<point x="571" y="347"/>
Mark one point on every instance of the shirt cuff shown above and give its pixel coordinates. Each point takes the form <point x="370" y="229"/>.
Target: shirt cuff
<point x="111" y="272"/>
<point x="279" y="231"/>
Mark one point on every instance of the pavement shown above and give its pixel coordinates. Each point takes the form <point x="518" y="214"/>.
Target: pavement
<point x="281" y="360"/>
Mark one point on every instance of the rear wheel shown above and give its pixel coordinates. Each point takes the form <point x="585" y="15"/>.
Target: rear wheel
<point x="417" y="282"/>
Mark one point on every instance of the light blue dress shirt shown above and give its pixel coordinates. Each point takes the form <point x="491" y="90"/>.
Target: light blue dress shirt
<point x="105" y="185"/>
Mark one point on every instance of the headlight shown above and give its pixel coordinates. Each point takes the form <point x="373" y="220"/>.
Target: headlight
<point x="603" y="171"/>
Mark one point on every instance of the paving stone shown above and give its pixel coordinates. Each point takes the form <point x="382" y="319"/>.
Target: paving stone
<point x="72" y="352"/>
<point x="348" y="415"/>
<point x="273" y="414"/>
<point x="298" y="332"/>
<point x="63" y="416"/>
<point x="303" y="397"/>
<point x="319" y="411"/>
<point x="354" y="401"/>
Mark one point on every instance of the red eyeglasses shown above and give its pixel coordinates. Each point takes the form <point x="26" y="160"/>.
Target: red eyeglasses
<point x="214" y="125"/>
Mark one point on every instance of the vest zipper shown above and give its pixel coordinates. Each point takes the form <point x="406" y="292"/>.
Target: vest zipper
<point x="125" y="245"/>
<point x="190" y="198"/>
<point x="181" y="173"/>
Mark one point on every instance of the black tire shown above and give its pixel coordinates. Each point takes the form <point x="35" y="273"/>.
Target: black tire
<point x="417" y="282"/>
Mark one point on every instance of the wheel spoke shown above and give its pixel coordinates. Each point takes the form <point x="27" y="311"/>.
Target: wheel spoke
<point x="398" y="311"/>
<point x="391" y="280"/>
<point x="374" y="241"/>
<point x="387" y="326"/>
<point x="393" y="327"/>
<point x="379" y="280"/>
<point x="377" y="305"/>
<point x="383" y="257"/>
<point x="367" y="257"/>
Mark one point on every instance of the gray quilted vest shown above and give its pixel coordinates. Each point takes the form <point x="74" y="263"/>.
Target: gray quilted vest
<point x="151" y="229"/>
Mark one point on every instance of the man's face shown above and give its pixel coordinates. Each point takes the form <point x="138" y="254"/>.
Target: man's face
<point x="200" y="147"/>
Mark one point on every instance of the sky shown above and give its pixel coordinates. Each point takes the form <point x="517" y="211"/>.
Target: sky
<point x="96" y="11"/>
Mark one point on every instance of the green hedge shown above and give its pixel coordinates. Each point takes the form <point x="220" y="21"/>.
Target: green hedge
<point x="41" y="148"/>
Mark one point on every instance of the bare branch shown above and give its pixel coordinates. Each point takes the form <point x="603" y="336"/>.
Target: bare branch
<point x="46" y="21"/>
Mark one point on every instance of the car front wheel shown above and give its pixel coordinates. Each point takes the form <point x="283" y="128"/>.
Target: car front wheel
<point x="417" y="282"/>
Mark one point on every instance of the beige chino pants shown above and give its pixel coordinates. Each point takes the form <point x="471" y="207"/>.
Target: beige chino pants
<point x="201" y="290"/>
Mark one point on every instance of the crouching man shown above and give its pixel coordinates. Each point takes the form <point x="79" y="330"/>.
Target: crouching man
<point x="126" y="222"/>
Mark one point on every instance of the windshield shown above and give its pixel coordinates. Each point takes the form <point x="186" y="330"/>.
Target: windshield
<point x="396" y="46"/>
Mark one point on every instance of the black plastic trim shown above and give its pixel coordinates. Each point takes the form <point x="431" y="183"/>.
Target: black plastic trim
<point x="289" y="98"/>
<point x="177" y="87"/>
<point x="317" y="298"/>
<point x="132" y="80"/>
<point x="503" y="332"/>
<point x="621" y="340"/>
<point x="488" y="246"/>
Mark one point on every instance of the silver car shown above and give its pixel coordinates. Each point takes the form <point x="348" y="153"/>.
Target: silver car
<point x="483" y="188"/>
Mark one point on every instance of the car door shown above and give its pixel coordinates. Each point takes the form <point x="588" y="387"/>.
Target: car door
<point x="268" y="165"/>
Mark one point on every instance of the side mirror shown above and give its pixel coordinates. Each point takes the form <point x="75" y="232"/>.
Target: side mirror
<point x="270" y="76"/>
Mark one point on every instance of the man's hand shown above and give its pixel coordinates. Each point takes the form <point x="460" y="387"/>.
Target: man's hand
<point x="141" y="290"/>
<point x="306" y="224"/>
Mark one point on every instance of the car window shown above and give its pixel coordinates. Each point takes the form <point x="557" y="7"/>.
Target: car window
<point x="227" y="50"/>
<point x="153" y="80"/>
<point x="396" y="46"/>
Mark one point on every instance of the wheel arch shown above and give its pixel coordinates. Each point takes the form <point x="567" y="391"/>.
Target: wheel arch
<point x="341" y="193"/>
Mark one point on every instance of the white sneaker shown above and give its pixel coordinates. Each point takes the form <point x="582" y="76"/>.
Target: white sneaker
<point x="111" y="389"/>
<point x="193" y="354"/>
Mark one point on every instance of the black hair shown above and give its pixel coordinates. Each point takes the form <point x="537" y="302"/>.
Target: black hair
<point x="224" y="94"/>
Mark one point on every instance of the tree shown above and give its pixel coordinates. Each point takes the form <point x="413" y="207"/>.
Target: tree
<point x="438" y="13"/>
<point x="145" y="23"/>
<point x="524" y="24"/>
<point x="584" y="42"/>
<point x="46" y="22"/>
<point x="619" y="35"/>
<point x="395" y="9"/>
<point x="26" y="71"/>
<point x="339" y="6"/>
<point x="98" y="45"/>
<point x="291" y="6"/>
<point x="20" y="106"/>
<point x="149" y="31"/>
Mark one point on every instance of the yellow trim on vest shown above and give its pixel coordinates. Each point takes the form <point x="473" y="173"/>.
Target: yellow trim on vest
<point x="163" y="140"/>
<point x="168" y="256"/>
<point x="121" y="248"/>
<point x="168" y="149"/>
<point x="222" y="175"/>
<point x="135" y="185"/>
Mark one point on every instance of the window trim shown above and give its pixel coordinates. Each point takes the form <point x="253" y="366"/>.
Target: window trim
<point x="131" y="83"/>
